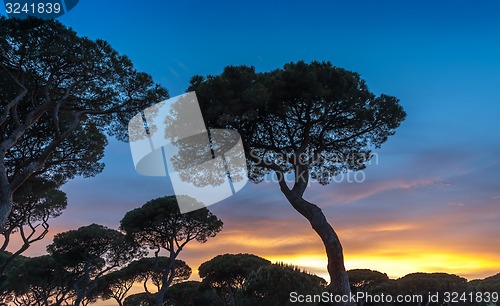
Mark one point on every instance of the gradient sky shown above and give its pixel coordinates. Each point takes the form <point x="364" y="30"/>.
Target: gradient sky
<point x="431" y="203"/>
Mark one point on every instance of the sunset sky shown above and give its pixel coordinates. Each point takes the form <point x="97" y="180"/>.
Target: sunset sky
<point x="432" y="201"/>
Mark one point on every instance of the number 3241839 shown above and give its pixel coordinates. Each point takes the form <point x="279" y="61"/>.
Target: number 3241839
<point x="33" y="8"/>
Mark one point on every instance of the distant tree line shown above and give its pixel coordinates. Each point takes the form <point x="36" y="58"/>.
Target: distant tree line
<point x="94" y="263"/>
<point x="229" y="279"/>
<point x="423" y="284"/>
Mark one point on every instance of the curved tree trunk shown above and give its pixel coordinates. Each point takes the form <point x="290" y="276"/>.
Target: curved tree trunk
<point x="167" y="278"/>
<point x="339" y="284"/>
<point x="5" y="197"/>
<point x="339" y="281"/>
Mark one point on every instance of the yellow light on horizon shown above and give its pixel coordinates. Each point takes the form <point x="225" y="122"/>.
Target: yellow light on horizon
<point x="396" y="265"/>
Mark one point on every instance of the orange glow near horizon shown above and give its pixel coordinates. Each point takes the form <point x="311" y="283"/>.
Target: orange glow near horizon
<point x="470" y="266"/>
<point x="390" y="251"/>
<point x="455" y="239"/>
<point x="395" y="248"/>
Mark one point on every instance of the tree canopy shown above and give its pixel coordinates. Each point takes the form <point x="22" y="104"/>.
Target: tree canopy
<point x="159" y="225"/>
<point x="139" y="299"/>
<point x="489" y="284"/>
<point x="117" y="284"/>
<point x="35" y="202"/>
<point x="310" y="120"/>
<point x="423" y="283"/>
<point x="90" y="252"/>
<point x="316" y="115"/>
<point x="271" y="285"/>
<point x="60" y="94"/>
<point x="365" y="279"/>
<point x="192" y="293"/>
<point x="151" y="269"/>
<point x="39" y="281"/>
<point x="227" y="273"/>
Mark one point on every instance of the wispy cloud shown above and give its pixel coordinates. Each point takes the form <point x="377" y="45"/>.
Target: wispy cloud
<point x="174" y="72"/>
<point x="181" y="64"/>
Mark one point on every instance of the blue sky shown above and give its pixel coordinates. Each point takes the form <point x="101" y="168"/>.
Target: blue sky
<point x="435" y="192"/>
